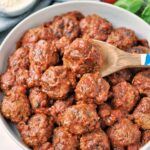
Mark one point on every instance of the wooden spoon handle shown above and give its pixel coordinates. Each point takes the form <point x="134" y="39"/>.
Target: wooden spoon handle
<point x="127" y="60"/>
<point x="145" y="59"/>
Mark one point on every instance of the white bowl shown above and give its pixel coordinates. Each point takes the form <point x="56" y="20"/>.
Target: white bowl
<point x="117" y="16"/>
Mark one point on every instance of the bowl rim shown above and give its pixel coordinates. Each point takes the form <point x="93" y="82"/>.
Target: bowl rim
<point x="2" y="124"/>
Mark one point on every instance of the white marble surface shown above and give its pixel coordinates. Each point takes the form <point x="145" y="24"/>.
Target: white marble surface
<point x="6" y="143"/>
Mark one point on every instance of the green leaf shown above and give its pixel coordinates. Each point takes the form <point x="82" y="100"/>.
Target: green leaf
<point x="131" y="5"/>
<point x="146" y="14"/>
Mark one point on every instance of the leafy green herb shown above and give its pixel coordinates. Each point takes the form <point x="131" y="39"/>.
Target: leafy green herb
<point x="146" y="13"/>
<point x="131" y="5"/>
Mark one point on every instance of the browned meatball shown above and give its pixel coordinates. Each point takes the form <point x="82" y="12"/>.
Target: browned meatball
<point x="16" y="106"/>
<point x="96" y="140"/>
<point x="37" y="131"/>
<point x="109" y="116"/>
<point x="142" y="82"/>
<point x="139" y="50"/>
<point x="143" y="42"/>
<point x="94" y="26"/>
<point x="122" y="38"/>
<point x="76" y="14"/>
<point x="35" y="74"/>
<point x="13" y="77"/>
<point x="66" y="29"/>
<point x="63" y="140"/>
<point x="45" y="146"/>
<point x="35" y="34"/>
<point x="125" y="96"/>
<point x="59" y="107"/>
<point x="20" y="58"/>
<point x="82" y="57"/>
<point x="92" y="89"/>
<point x="120" y="76"/>
<point x="141" y="113"/>
<point x="43" y="54"/>
<point x="7" y="80"/>
<point x="66" y="25"/>
<point x="80" y="118"/>
<point x="146" y="137"/>
<point x="55" y="82"/>
<point x="124" y="133"/>
<point x="38" y="99"/>
<point x="62" y="43"/>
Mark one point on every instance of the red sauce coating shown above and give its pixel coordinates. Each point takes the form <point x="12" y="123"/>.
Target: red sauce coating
<point x="55" y="95"/>
<point x="82" y="57"/>
<point x="92" y="89"/>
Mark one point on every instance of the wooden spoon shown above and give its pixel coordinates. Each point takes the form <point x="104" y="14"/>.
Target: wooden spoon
<point x="116" y="59"/>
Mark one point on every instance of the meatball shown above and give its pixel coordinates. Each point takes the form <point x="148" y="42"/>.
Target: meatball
<point x="76" y="14"/>
<point x="13" y="77"/>
<point x="96" y="140"/>
<point x="146" y="137"/>
<point x="142" y="82"/>
<point x="109" y="116"/>
<point x="122" y="38"/>
<point x="120" y="76"/>
<point x="66" y="25"/>
<point x="35" y="34"/>
<point x="125" y="96"/>
<point x="59" y="107"/>
<point x="37" y="131"/>
<point x="65" y="32"/>
<point x="92" y="89"/>
<point x="143" y="42"/>
<point x="45" y="146"/>
<point x="7" y="80"/>
<point x="19" y="59"/>
<point x="95" y="27"/>
<point x="139" y="50"/>
<point x="15" y="106"/>
<point x="124" y="133"/>
<point x="35" y="74"/>
<point x="80" y="118"/>
<point x="141" y="113"/>
<point x="82" y="57"/>
<point x="38" y="99"/>
<point x="55" y="82"/>
<point x="62" y="43"/>
<point x="43" y="54"/>
<point x="63" y="140"/>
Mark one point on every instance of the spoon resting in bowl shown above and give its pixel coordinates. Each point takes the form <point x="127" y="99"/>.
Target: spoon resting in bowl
<point x="116" y="59"/>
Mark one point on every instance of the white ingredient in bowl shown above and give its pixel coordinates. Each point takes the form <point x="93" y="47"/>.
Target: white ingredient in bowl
<point x="13" y="4"/>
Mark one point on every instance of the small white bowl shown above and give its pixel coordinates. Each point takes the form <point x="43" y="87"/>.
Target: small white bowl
<point x="9" y="12"/>
<point x="118" y="16"/>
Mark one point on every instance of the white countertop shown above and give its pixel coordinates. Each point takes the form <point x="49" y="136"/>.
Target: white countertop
<point x="6" y="143"/>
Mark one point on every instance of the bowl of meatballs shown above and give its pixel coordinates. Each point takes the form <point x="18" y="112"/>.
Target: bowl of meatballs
<point x="52" y="94"/>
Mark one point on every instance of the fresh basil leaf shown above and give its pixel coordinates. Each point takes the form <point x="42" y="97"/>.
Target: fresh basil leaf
<point x="148" y="1"/>
<point x="131" y="5"/>
<point x="146" y="14"/>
